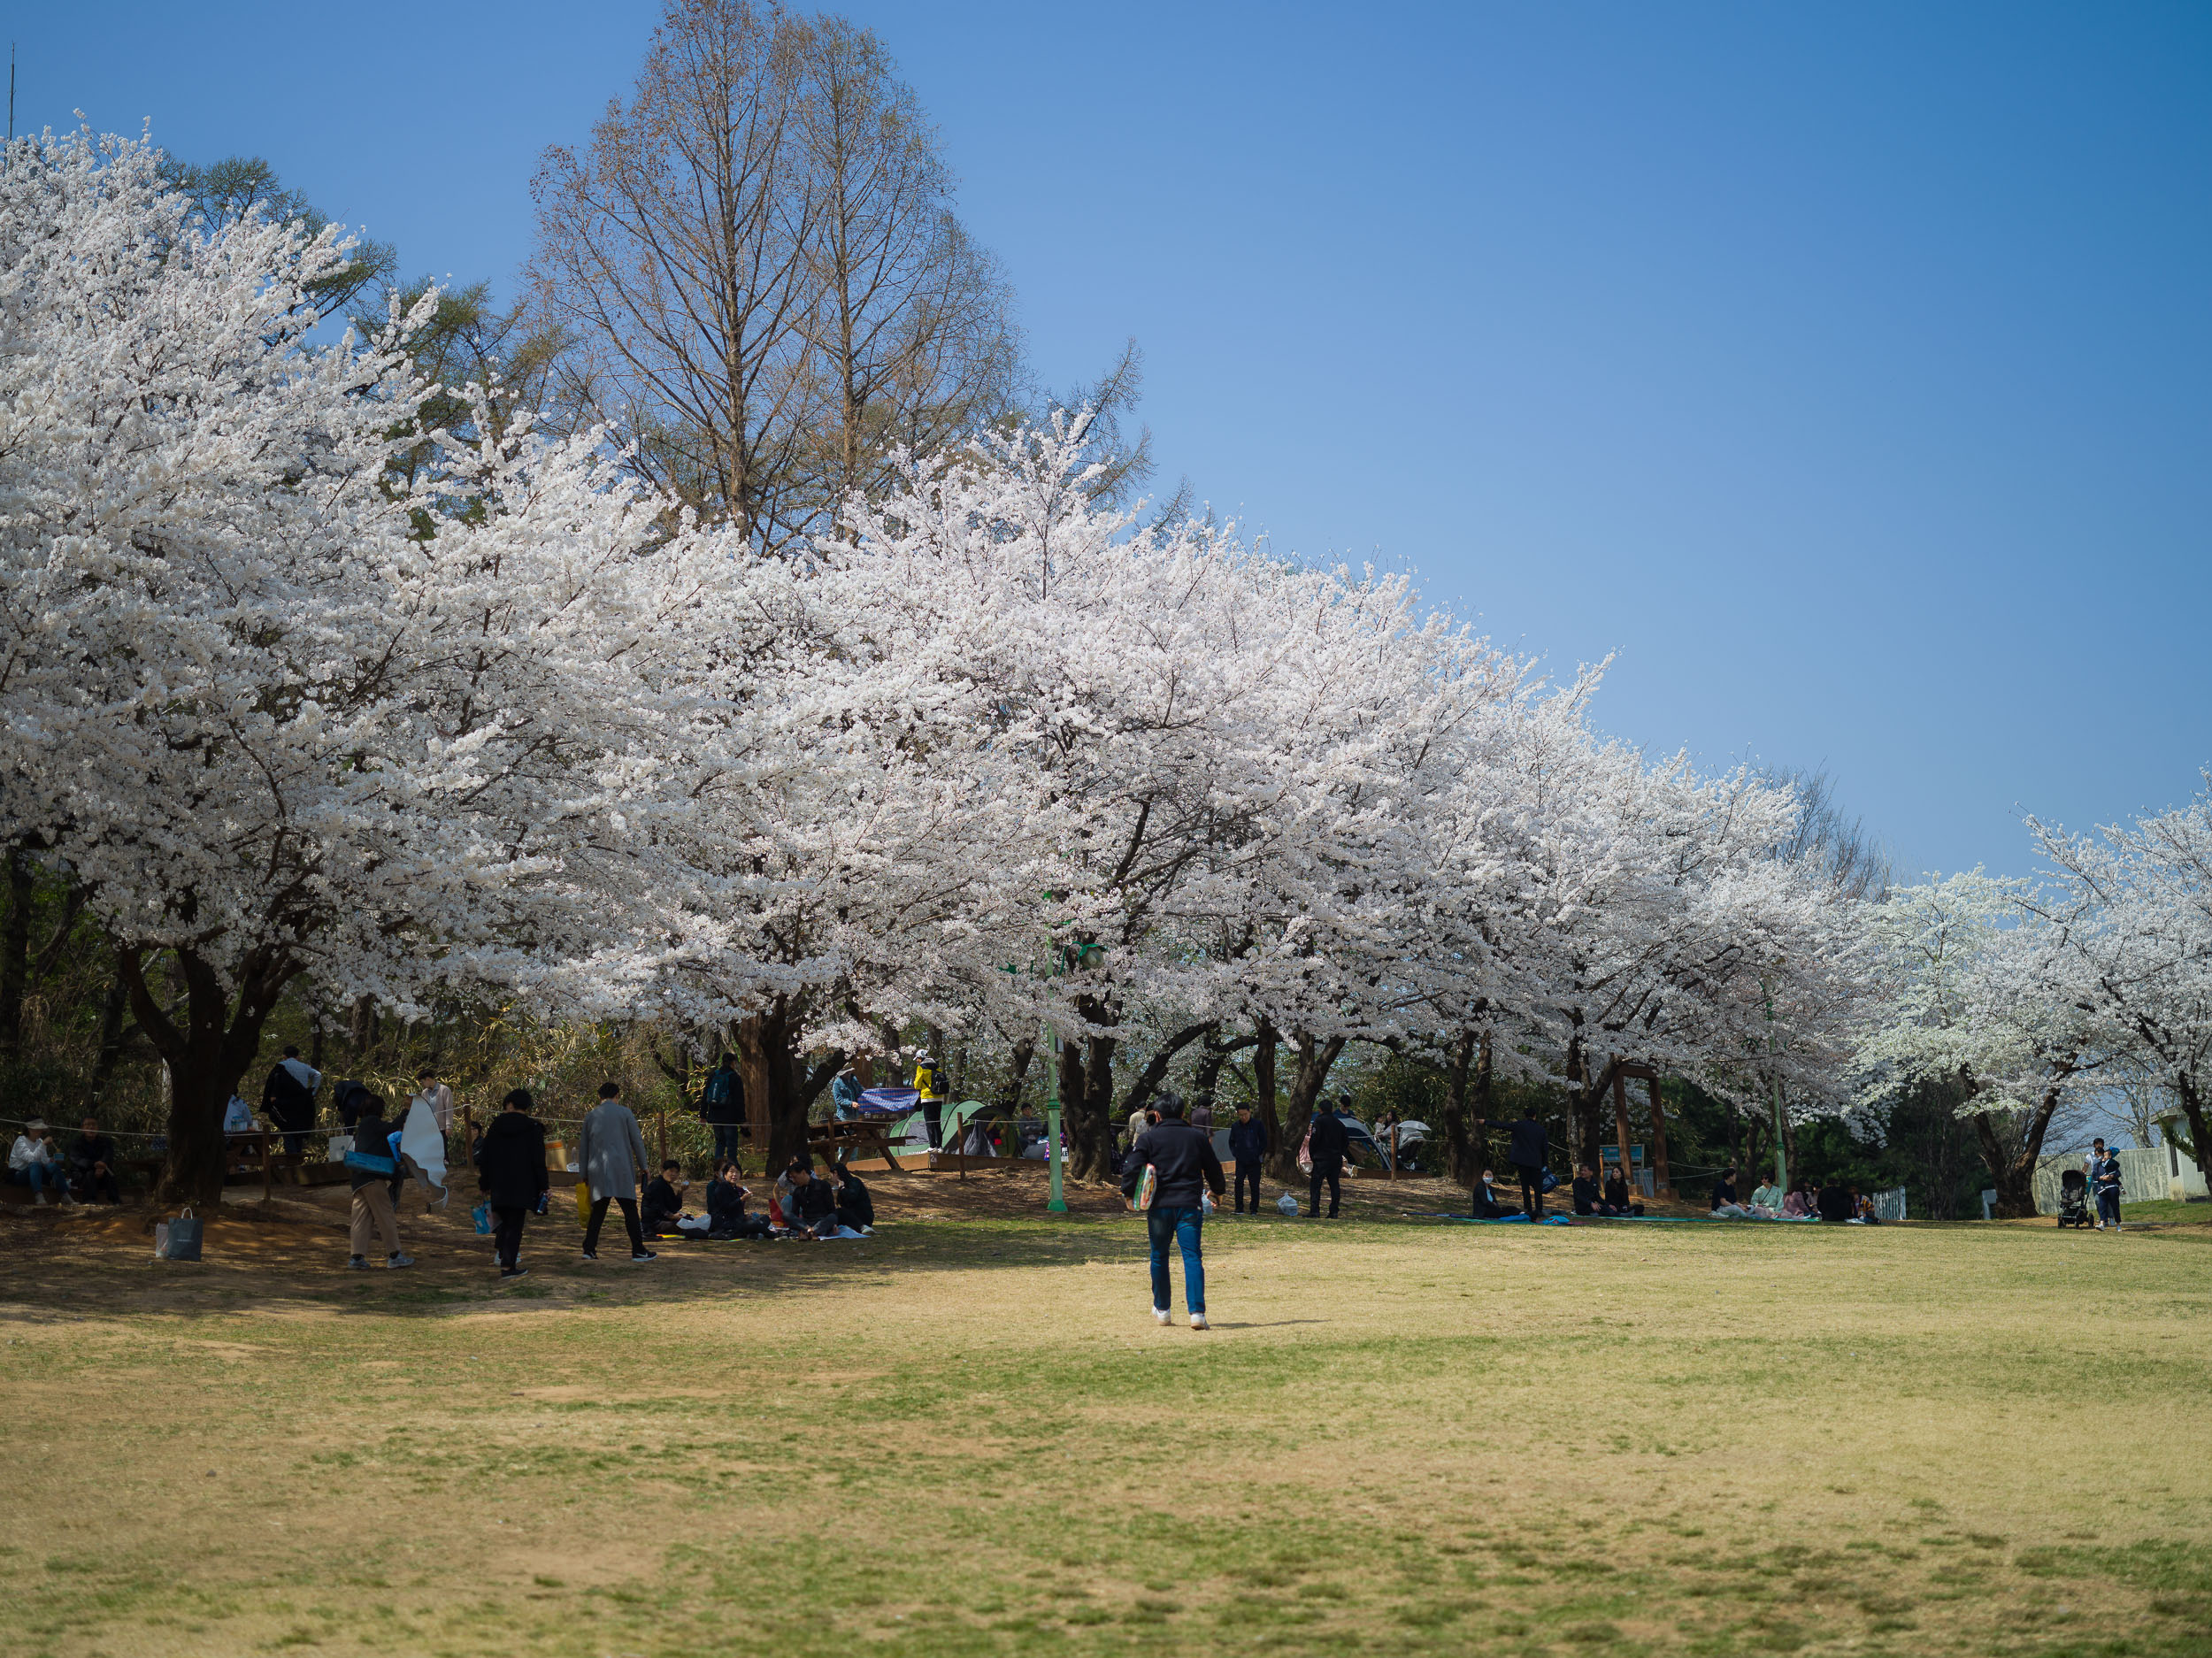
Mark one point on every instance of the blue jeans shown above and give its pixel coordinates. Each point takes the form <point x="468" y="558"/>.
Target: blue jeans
<point x="728" y="1138"/>
<point x="2108" y="1207"/>
<point x="1179" y="1225"/>
<point x="43" y="1176"/>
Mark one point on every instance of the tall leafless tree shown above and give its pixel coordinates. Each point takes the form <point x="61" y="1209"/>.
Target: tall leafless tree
<point x="757" y="275"/>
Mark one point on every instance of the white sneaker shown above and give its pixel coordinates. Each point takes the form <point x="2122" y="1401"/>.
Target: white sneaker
<point x="40" y="1198"/>
<point x="1198" y="1321"/>
<point x="1160" y="1316"/>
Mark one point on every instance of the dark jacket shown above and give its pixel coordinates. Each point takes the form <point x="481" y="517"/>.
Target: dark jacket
<point x="1185" y="1161"/>
<point x="1616" y="1190"/>
<point x="1585" y="1195"/>
<point x="84" y="1153"/>
<point x="1247" y="1141"/>
<point x="287" y="1100"/>
<point x="1326" y="1144"/>
<point x="723" y="1102"/>
<point x="1531" y="1144"/>
<point x="662" y="1205"/>
<point x="854" y="1207"/>
<point x="510" y="1161"/>
<point x="348" y="1097"/>
<point x="725" y="1206"/>
<point x="1723" y="1191"/>
<point x="813" y="1200"/>
<point x="1835" y="1202"/>
<point x="373" y="1138"/>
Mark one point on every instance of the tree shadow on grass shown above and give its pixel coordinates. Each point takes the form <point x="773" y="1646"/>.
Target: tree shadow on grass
<point x="68" y="1273"/>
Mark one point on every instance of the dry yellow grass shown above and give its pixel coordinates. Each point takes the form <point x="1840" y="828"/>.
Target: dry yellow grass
<point x="967" y="1436"/>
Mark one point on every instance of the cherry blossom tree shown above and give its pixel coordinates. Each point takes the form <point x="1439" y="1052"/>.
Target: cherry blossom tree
<point x="277" y="717"/>
<point x="2133" y="913"/>
<point x="1974" y="985"/>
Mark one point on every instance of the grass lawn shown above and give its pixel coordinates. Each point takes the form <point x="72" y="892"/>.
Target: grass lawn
<point x="967" y="1436"/>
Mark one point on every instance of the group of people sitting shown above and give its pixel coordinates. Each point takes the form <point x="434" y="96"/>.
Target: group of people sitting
<point x="1834" y="1200"/>
<point x="1613" y="1197"/>
<point x="802" y="1203"/>
<point x="81" y="1171"/>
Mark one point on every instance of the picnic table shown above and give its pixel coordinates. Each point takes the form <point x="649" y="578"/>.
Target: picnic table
<point x="837" y="1140"/>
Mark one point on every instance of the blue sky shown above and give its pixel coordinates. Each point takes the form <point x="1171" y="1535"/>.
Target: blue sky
<point x="1843" y="368"/>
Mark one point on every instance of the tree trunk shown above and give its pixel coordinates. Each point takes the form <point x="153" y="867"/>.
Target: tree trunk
<point x="207" y="1055"/>
<point x="2193" y="1107"/>
<point x="2012" y="1167"/>
<point x="15" y="950"/>
<point x="111" y="1049"/>
<point x="1306" y="1083"/>
<point x="1459" y="1155"/>
<point x="1154" y="1072"/>
<point x="1087" y="1096"/>
<point x="817" y="1077"/>
<point x="1213" y="1054"/>
<point x="1279" y="1156"/>
<point x="1069" y="1083"/>
<point x="1098" y="1102"/>
<point x="1009" y="1098"/>
<point x="773" y="1109"/>
<point x="363" y="1033"/>
<point x="1585" y="1099"/>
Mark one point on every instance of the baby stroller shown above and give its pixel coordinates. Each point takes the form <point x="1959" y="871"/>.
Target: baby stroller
<point x="2073" y="1199"/>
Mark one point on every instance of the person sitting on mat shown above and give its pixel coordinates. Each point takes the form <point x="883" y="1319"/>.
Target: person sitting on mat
<point x="1618" y="1201"/>
<point x="809" y="1205"/>
<point x="854" y="1207"/>
<point x="92" y="1160"/>
<point x="1586" y="1189"/>
<point x="663" y="1203"/>
<point x="1489" y="1204"/>
<point x="726" y="1207"/>
<point x="1724" y="1203"/>
<point x="1835" y="1202"/>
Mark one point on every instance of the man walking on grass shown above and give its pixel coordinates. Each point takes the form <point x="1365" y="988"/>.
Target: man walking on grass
<point x="1184" y="1166"/>
<point x="613" y="1159"/>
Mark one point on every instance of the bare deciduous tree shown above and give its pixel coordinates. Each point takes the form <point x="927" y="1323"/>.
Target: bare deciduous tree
<point x="756" y="276"/>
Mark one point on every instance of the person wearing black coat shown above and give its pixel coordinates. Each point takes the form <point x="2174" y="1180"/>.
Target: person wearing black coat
<point x="725" y="1208"/>
<point x="289" y="1100"/>
<point x="722" y="1107"/>
<point x="1530" y="1149"/>
<point x="1183" y="1167"/>
<point x="1618" y="1201"/>
<point x="812" y="1205"/>
<point x="1326" y="1144"/>
<point x="1835" y="1202"/>
<point x="1247" y="1150"/>
<point x="854" y="1207"/>
<point x="1585" y="1190"/>
<point x="510" y="1174"/>
<point x="92" y="1164"/>
<point x="349" y="1097"/>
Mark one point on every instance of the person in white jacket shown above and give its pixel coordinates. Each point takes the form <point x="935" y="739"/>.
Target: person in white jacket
<point x="36" y="1161"/>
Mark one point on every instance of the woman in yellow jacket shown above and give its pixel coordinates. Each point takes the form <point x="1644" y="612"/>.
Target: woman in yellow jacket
<point x="927" y="1073"/>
